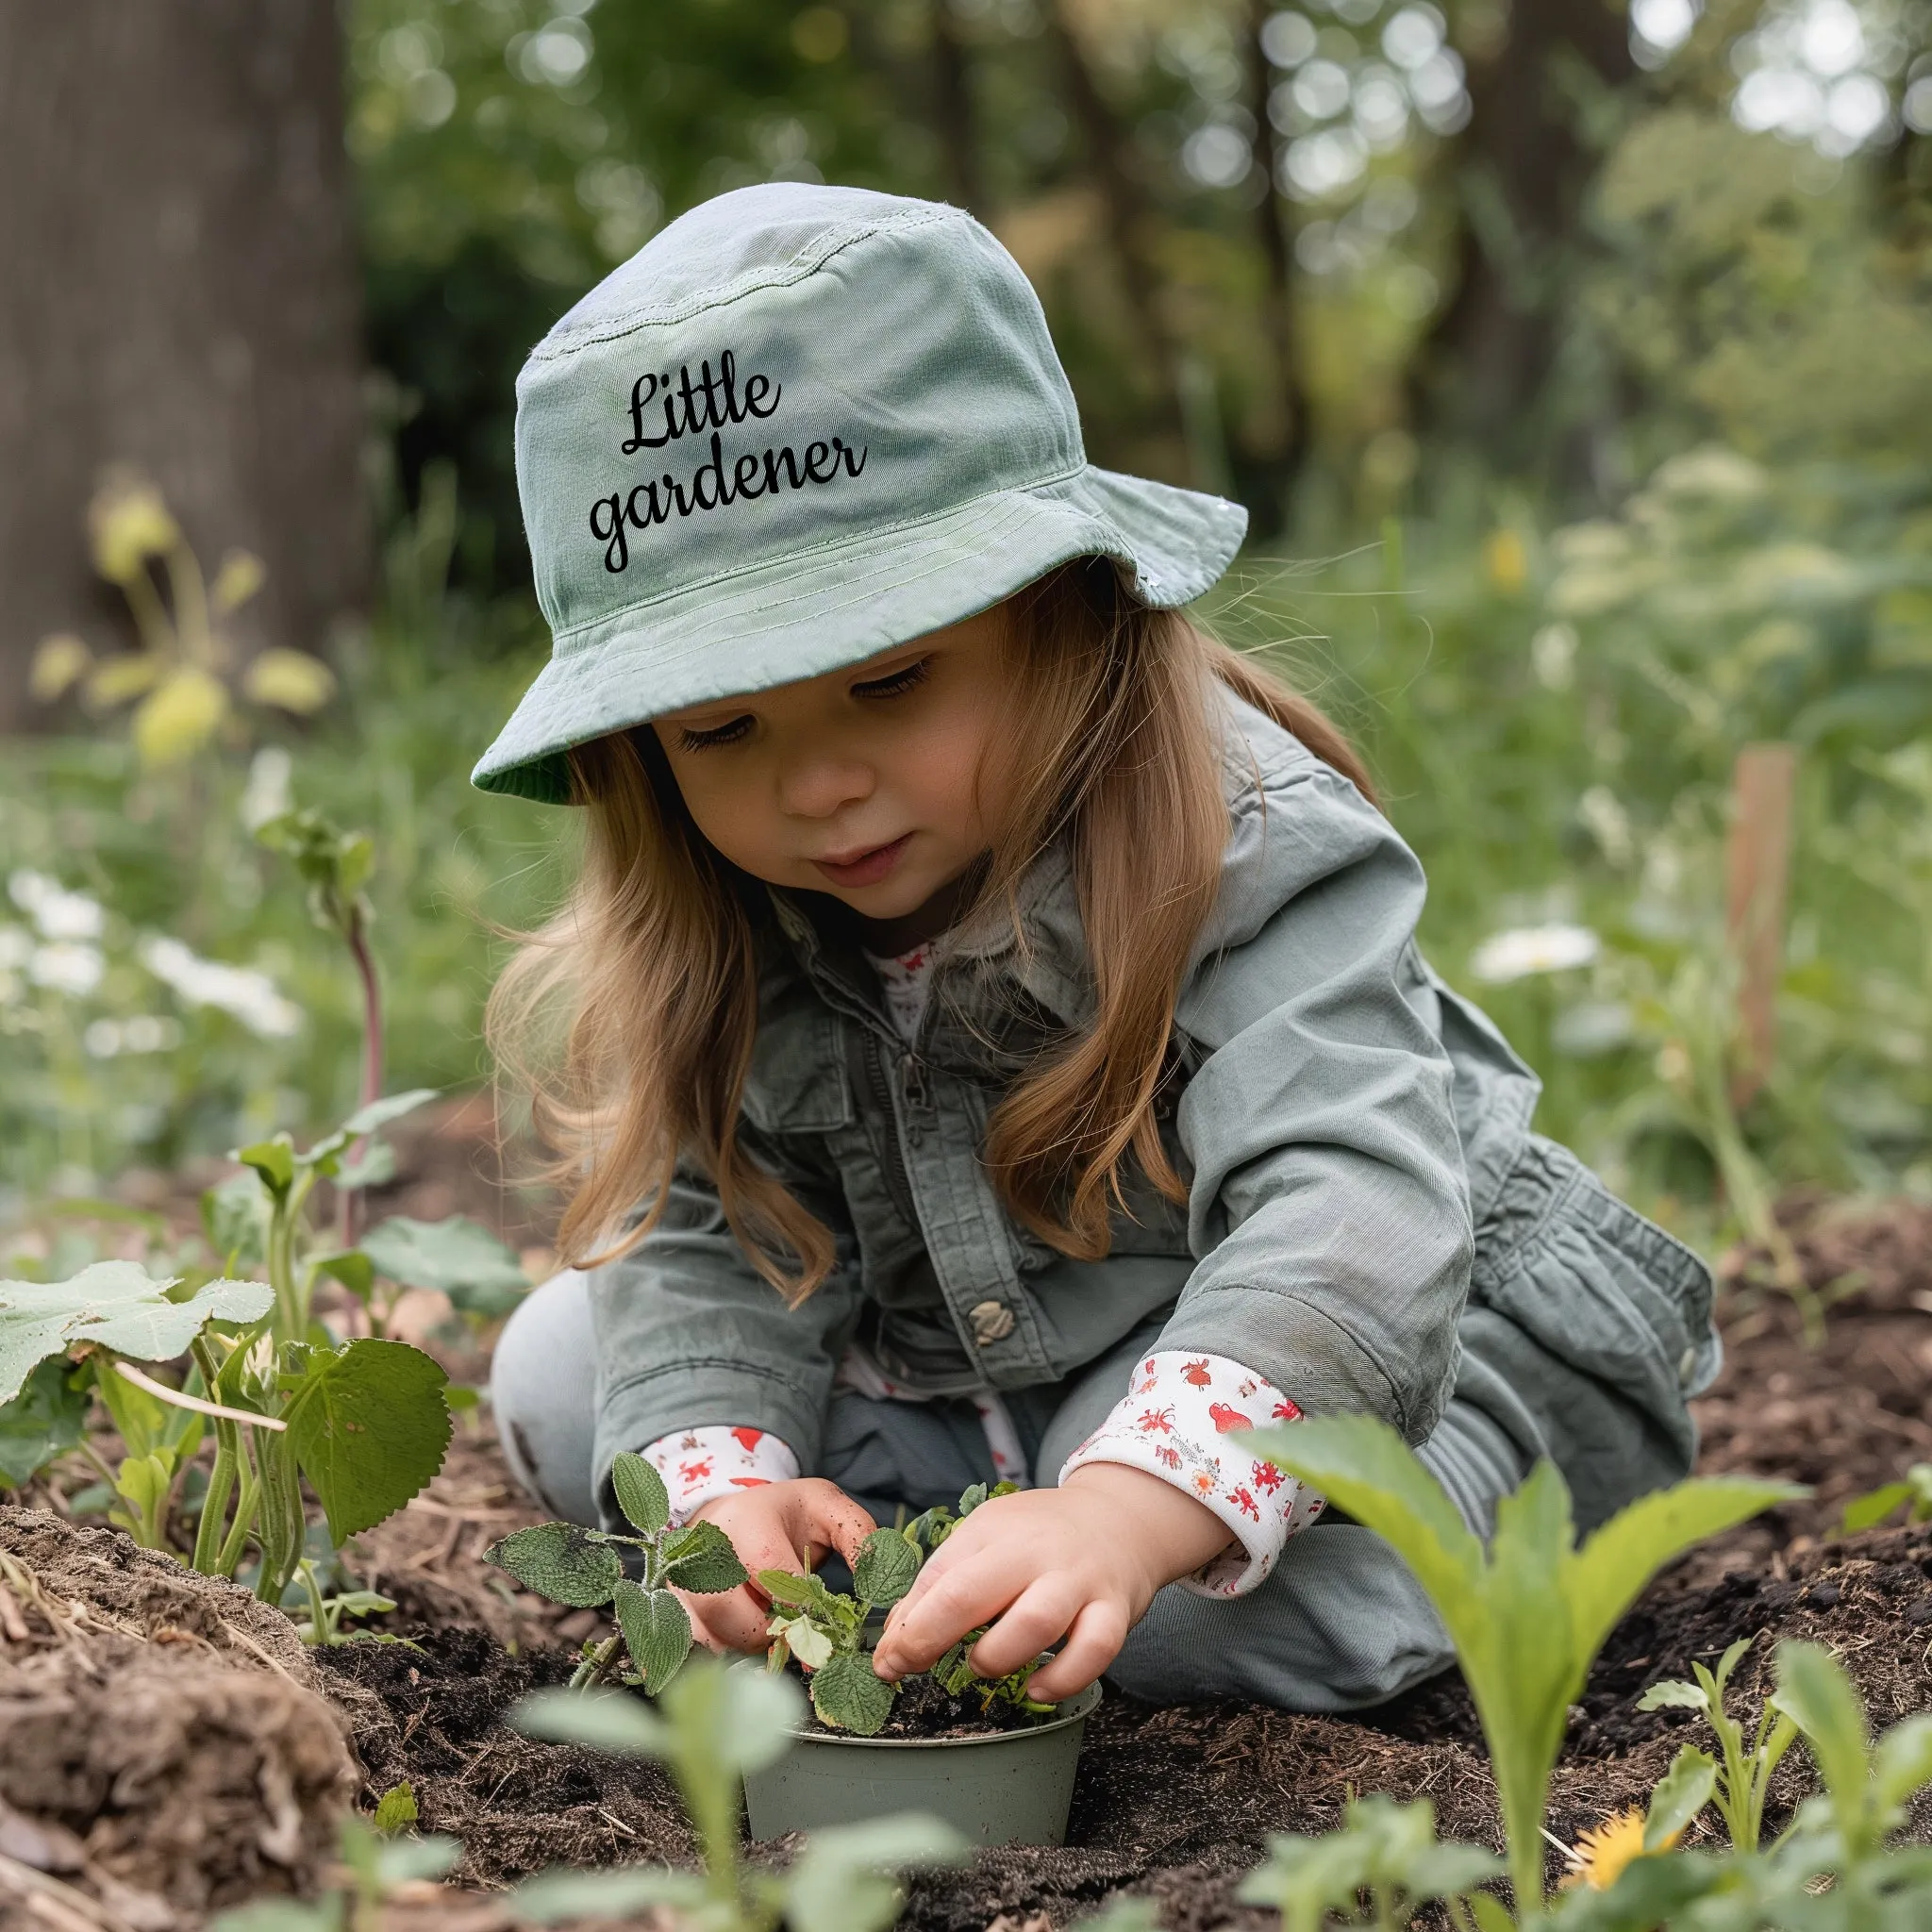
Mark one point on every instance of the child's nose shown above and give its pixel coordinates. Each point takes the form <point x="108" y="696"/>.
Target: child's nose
<point x="818" y="786"/>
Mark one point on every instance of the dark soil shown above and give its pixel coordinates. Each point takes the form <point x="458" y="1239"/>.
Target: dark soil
<point x="1176" y="1803"/>
<point x="922" y="1709"/>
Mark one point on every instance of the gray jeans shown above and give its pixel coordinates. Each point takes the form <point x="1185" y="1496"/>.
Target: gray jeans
<point x="1338" y="1625"/>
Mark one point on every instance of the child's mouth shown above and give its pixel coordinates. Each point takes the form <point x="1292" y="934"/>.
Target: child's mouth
<point x="867" y="868"/>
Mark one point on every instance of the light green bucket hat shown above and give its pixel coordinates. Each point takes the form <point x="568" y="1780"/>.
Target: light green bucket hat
<point x="800" y="426"/>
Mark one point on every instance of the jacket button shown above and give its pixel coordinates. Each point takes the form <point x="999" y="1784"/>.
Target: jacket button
<point x="991" y="1321"/>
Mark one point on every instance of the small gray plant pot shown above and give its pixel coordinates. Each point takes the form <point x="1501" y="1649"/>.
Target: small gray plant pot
<point x="1008" y="1788"/>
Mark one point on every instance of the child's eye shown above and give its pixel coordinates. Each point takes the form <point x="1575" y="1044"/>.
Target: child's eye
<point x="718" y="734"/>
<point x="898" y="683"/>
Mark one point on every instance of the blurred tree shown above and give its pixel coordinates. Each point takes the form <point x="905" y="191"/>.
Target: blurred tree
<point x="181" y="294"/>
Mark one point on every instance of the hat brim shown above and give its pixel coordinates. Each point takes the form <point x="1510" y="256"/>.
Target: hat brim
<point x="801" y="616"/>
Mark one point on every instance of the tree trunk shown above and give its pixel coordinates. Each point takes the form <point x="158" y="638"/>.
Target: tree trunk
<point x="1522" y="170"/>
<point x="1271" y="231"/>
<point x="181" y="294"/>
<point x="952" y="87"/>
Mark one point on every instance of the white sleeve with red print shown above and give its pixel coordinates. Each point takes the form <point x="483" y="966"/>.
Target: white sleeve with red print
<point x="1173" y="1424"/>
<point x="716" y="1460"/>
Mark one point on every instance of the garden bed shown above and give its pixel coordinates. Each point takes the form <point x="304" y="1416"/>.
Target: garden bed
<point x="1174" y="1802"/>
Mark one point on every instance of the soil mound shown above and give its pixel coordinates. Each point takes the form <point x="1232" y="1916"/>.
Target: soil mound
<point x="164" y="1751"/>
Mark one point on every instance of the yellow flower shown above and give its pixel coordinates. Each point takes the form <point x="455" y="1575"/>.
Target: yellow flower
<point x="1506" y="562"/>
<point x="289" y="680"/>
<point x="241" y="576"/>
<point x="60" y="663"/>
<point x="114" y="680"/>
<point x="129" y="522"/>
<point x="180" y="716"/>
<point x="1605" y="1850"/>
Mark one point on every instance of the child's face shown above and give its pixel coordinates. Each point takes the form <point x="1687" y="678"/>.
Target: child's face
<point x="867" y="783"/>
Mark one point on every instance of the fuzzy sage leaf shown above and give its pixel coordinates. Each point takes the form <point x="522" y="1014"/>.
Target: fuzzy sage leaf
<point x="886" y="1568"/>
<point x="559" y="1560"/>
<point x="640" y="1493"/>
<point x="656" y="1632"/>
<point x="699" y="1557"/>
<point x="849" y="1694"/>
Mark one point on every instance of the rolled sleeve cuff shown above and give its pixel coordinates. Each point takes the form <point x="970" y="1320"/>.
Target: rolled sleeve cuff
<point x="1172" y="1423"/>
<point x="714" y="1459"/>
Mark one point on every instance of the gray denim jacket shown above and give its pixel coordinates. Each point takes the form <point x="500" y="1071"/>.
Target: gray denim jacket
<point x="1346" y="1124"/>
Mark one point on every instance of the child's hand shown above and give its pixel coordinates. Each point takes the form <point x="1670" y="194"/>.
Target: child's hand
<point x="775" y="1526"/>
<point x="1081" y="1561"/>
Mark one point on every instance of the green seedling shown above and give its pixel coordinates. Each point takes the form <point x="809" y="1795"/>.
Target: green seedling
<point x="1742" y="1776"/>
<point x="1874" y="1505"/>
<point x="826" y="1631"/>
<point x="1830" y="1872"/>
<point x="582" y="1567"/>
<point x="1385" y="1853"/>
<point x="1528" y="1614"/>
<point x="931" y="1527"/>
<point x="713" y="1726"/>
<point x="957" y="1677"/>
<point x="376" y="1860"/>
<point x="322" y="1626"/>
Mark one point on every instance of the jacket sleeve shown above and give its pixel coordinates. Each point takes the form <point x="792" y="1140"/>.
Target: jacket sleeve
<point x="688" y="1333"/>
<point x="1328" y="1207"/>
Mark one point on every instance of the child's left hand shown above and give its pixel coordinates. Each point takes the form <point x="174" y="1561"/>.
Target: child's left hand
<point x="1082" y="1562"/>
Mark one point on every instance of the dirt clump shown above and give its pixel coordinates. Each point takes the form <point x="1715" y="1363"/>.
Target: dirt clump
<point x="163" y="1750"/>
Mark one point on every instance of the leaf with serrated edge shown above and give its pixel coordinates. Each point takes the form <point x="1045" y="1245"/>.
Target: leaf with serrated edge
<point x="886" y="1569"/>
<point x="802" y="1592"/>
<point x="640" y="1493"/>
<point x="47" y="1418"/>
<point x="117" y="1306"/>
<point x="699" y="1557"/>
<point x="454" y="1256"/>
<point x="558" y="1561"/>
<point x="369" y="1427"/>
<point x="656" y="1632"/>
<point x="1681" y="1793"/>
<point x="850" y="1696"/>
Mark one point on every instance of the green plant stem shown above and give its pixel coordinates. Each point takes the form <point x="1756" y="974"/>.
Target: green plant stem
<point x="282" y="1526"/>
<point x="214" y="1505"/>
<point x="320" y="1623"/>
<point x="291" y="1303"/>
<point x="247" y="1505"/>
<point x="593" y="1668"/>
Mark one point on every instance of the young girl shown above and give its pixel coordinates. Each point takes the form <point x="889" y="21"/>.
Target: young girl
<point x="989" y="1039"/>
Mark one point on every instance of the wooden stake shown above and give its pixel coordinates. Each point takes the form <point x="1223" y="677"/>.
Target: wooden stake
<point x="1758" y="869"/>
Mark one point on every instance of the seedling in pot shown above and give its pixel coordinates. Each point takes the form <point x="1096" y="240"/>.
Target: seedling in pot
<point x="583" y="1568"/>
<point x="826" y="1631"/>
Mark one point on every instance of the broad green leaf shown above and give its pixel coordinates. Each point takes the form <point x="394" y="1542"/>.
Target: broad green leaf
<point x="640" y="1493"/>
<point x="886" y="1568"/>
<point x="373" y="1167"/>
<point x="1682" y="1791"/>
<point x="558" y="1561"/>
<point x="1613" y="1566"/>
<point x="753" y="1714"/>
<point x="116" y="1305"/>
<point x="806" y="1642"/>
<point x="235" y="1215"/>
<point x="850" y="1696"/>
<point x="1363" y="1466"/>
<point x="379" y="1113"/>
<point x="1489" y="1914"/>
<point x="352" y="1267"/>
<point x="1874" y="1505"/>
<point x="46" y="1419"/>
<point x="1448" y="1871"/>
<point x="1816" y="1694"/>
<point x="656" y="1632"/>
<point x="368" y="1426"/>
<point x="396" y="1808"/>
<point x="1673" y="1694"/>
<point x="463" y="1259"/>
<point x="274" y="1160"/>
<point x="1649" y="1893"/>
<point x="605" y="1720"/>
<point x="1902" y="1765"/>
<point x="284" y="1915"/>
<point x="842" y="1881"/>
<point x="409" y="1860"/>
<point x="801" y="1593"/>
<point x="699" y="1557"/>
<point x="619" y="1891"/>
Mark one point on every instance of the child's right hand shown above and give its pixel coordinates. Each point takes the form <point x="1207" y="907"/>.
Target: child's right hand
<point x="774" y="1527"/>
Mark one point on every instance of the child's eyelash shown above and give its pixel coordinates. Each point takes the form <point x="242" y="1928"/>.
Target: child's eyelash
<point x="722" y="734"/>
<point x="898" y="682"/>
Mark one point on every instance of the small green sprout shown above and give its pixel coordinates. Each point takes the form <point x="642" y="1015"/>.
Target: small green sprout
<point x="1740" y="1781"/>
<point x="582" y="1567"/>
<point x="826" y="1631"/>
<point x="1874" y="1505"/>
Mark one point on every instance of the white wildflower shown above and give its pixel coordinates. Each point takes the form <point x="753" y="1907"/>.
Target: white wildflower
<point x="102" y="1039"/>
<point x="267" y="794"/>
<point x="67" y="966"/>
<point x="150" y="1033"/>
<point x="58" y="913"/>
<point x="16" y="947"/>
<point x="248" y="995"/>
<point x="1525" y="950"/>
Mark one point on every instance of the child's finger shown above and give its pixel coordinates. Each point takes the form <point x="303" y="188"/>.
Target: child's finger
<point x="726" y="1619"/>
<point x="1092" y="1645"/>
<point x="969" y="1594"/>
<point x="1041" y="1614"/>
<point x="829" y="1516"/>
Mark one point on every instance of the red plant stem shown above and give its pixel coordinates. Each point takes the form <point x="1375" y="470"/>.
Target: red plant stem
<point x="372" y="1063"/>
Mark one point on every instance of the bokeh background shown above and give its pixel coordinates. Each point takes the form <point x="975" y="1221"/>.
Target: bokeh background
<point x="1573" y="358"/>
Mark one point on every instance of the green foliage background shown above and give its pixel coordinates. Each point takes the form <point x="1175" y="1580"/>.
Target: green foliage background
<point x="1702" y="518"/>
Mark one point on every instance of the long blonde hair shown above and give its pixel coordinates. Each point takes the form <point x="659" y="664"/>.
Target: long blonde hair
<point x="630" y="1018"/>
